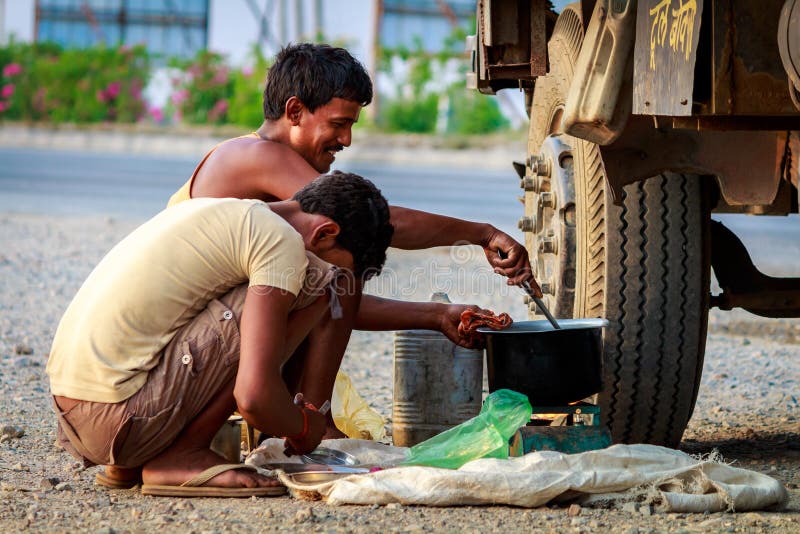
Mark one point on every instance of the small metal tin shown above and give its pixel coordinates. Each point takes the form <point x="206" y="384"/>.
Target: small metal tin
<point x="228" y="440"/>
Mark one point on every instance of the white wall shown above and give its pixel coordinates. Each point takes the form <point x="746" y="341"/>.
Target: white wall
<point x="351" y="21"/>
<point x="17" y="19"/>
<point x="233" y="27"/>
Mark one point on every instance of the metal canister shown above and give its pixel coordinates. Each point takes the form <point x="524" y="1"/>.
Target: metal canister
<point x="437" y="384"/>
<point x="227" y="441"/>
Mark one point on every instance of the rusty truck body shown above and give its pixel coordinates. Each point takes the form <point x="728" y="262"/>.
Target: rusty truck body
<point x="646" y="117"/>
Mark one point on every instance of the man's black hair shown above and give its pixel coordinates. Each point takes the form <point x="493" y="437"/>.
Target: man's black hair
<point x="314" y="73"/>
<point x="361" y="212"/>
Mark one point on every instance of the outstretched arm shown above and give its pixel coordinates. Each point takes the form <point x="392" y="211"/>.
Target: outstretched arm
<point x="237" y="169"/>
<point x="376" y="313"/>
<point x="414" y="229"/>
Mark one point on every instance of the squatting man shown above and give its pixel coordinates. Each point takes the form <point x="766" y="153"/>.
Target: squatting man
<point x="193" y="315"/>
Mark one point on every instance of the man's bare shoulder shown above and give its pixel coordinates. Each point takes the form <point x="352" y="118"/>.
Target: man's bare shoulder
<point x="253" y="150"/>
<point x="250" y="167"/>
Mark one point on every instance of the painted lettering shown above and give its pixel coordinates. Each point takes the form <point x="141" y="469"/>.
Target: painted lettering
<point x="678" y="23"/>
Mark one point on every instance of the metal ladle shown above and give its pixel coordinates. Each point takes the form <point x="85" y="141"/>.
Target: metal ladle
<point x="529" y="290"/>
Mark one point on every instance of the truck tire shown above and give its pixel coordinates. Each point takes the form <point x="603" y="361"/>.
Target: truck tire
<point x="644" y="264"/>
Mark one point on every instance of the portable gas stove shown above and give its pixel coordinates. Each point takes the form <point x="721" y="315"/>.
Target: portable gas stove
<point x="569" y="429"/>
<point x="553" y="367"/>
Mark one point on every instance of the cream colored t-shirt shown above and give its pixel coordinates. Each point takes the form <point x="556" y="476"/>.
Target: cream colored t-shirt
<point x="159" y="278"/>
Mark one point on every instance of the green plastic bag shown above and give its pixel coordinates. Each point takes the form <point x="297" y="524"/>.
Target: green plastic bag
<point x="484" y="436"/>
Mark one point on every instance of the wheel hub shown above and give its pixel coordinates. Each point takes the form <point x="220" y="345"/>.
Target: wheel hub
<point x="549" y="223"/>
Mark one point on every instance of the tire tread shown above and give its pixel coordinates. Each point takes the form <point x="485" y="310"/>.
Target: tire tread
<point x="642" y="264"/>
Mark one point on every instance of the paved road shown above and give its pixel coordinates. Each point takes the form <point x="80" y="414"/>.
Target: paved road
<point x="84" y="183"/>
<point x="136" y="186"/>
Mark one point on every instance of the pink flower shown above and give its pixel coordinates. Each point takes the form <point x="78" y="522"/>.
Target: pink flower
<point x="221" y="76"/>
<point x="101" y="96"/>
<point x="112" y="91"/>
<point x="136" y="89"/>
<point x="157" y="114"/>
<point x="40" y="100"/>
<point x="12" y="69"/>
<point x="3" y="106"/>
<point x="7" y="90"/>
<point x="218" y="110"/>
<point x="247" y="71"/>
<point x="178" y="97"/>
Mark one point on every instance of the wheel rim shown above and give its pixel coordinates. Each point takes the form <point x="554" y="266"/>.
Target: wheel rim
<point x="550" y="188"/>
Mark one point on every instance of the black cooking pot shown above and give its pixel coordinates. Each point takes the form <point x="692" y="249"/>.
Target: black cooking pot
<point x="552" y="367"/>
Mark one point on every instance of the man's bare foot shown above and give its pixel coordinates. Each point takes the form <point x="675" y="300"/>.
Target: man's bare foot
<point x="174" y="467"/>
<point x="123" y="474"/>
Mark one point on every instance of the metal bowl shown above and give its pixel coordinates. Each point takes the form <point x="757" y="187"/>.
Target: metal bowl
<point x="324" y="455"/>
<point x="316" y="477"/>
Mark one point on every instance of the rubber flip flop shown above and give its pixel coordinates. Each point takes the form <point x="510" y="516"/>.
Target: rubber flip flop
<point x="195" y="487"/>
<point x="105" y="481"/>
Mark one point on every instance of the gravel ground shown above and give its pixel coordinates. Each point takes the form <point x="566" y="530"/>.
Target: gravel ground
<point x="747" y="408"/>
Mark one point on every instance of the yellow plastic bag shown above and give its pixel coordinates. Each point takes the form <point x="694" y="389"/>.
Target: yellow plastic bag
<point x="352" y="414"/>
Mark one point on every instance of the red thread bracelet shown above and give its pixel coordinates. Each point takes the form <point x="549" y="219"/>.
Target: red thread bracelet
<point x="302" y="434"/>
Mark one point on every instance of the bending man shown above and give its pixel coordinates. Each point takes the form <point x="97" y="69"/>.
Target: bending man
<point x="193" y="315"/>
<point x="312" y="97"/>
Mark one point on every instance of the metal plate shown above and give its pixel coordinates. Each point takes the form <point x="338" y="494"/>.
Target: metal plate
<point x="294" y="468"/>
<point x="316" y="477"/>
<point x="324" y="455"/>
<point x="291" y="467"/>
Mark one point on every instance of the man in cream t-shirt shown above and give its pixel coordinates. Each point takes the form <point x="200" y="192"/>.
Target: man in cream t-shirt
<point x="193" y="315"/>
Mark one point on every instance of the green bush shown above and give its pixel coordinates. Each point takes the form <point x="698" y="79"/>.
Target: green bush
<point x="246" y="107"/>
<point x="473" y="113"/>
<point x="416" y="115"/>
<point x="413" y="108"/>
<point x="211" y="92"/>
<point x="43" y="82"/>
<point x="467" y="111"/>
<point x="202" y="95"/>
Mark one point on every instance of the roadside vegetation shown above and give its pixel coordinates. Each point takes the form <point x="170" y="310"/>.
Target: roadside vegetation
<point x="43" y="83"/>
<point x="428" y="93"/>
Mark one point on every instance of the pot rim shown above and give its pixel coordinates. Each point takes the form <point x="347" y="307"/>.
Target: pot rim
<point x="531" y="327"/>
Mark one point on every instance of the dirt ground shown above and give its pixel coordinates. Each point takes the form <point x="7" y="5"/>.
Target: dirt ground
<point x="747" y="410"/>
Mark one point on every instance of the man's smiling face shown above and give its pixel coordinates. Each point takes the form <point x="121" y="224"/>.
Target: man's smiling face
<point x="319" y="135"/>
